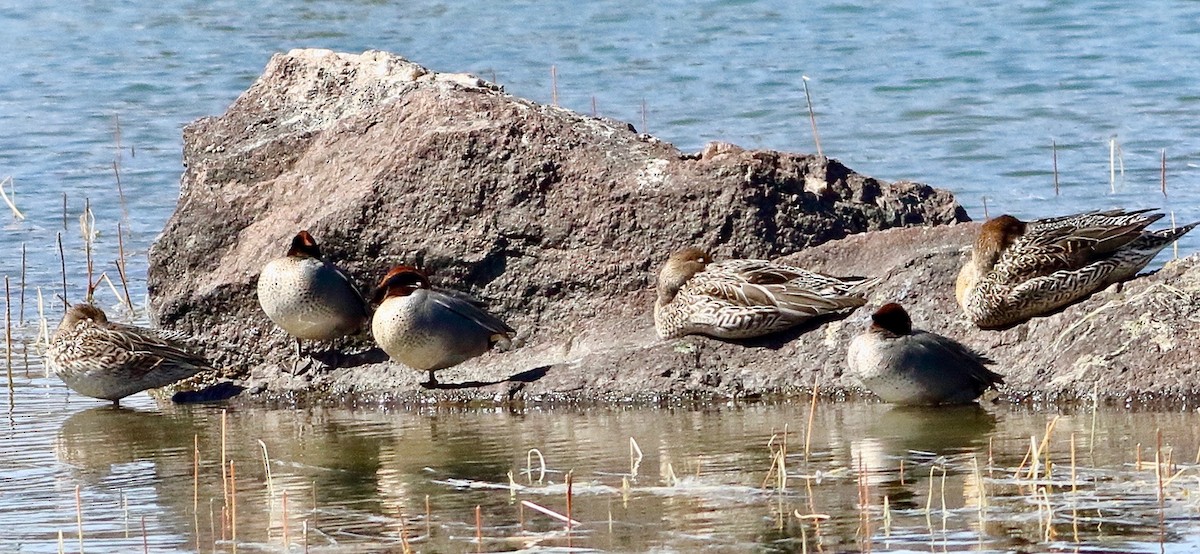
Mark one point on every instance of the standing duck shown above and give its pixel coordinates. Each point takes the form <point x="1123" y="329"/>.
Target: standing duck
<point x="427" y="330"/>
<point x="308" y="297"/>
<point x="106" y="360"/>
<point x="1020" y="269"/>
<point x="909" y="366"/>
<point x="738" y="299"/>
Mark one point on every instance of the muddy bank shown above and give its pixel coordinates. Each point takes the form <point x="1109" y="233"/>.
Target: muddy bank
<point x="558" y="222"/>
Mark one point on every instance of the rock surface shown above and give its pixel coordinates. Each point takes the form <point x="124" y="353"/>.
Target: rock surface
<point x="559" y="222"/>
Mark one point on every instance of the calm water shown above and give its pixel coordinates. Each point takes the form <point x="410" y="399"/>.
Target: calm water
<point x="683" y="479"/>
<point x="967" y="98"/>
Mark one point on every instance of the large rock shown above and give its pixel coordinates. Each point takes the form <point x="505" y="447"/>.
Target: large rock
<point x="558" y="221"/>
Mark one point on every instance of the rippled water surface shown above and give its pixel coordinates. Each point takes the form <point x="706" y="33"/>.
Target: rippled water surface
<point x="967" y="97"/>
<point x="682" y="479"/>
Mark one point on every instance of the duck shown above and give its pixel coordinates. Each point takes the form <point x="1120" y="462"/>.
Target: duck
<point x="741" y="299"/>
<point x="102" y="359"/>
<point x="908" y="366"/>
<point x="1019" y="270"/>
<point x="308" y="297"/>
<point x="428" y="330"/>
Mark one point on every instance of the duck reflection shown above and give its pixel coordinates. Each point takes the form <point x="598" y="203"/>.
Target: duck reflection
<point x="898" y="450"/>
<point x="96" y="439"/>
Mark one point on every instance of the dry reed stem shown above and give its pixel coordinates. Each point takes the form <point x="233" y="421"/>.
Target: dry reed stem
<point x="636" y="462"/>
<point x="1137" y="457"/>
<point x="21" y="313"/>
<point x="287" y="542"/>
<point x="1158" y="470"/>
<point x="929" y="497"/>
<point x="125" y="511"/>
<point x="478" y="528"/>
<point x="1049" y="515"/>
<point x="196" y="487"/>
<point x="1174" y="243"/>
<point x="224" y="474"/>
<point x="111" y="286"/>
<point x="1162" y="173"/>
<point x="428" y="517"/>
<point x="887" y="516"/>
<point x="404" y="535"/>
<point x="62" y="258"/>
<point x="570" y="495"/>
<point x="120" y="192"/>
<point x="43" y="325"/>
<point x="8" y="339"/>
<point x="1074" y="482"/>
<point x="61" y="547"/>
<point x="1112" y="164"/>
<point x="812" y="118"/>
<point x="529" y="465"/>
<point x="121" y="266"/>
<point x="304" y="530"/>
<point x="594" y="112"/>
<point x="233" y="505"/>
<point x="87" y="224"/>
<point x="547" y="511"/>
<point x="812" y="410"/>
<point x="11" y="201"/>
<point x="270" y="489"/>
<point x="1043" y="447"/>
<point x="1054" y="154"/>
<point x="554" y="85"/>
<point x="985" y="209"/>
<point x="64" y="211"/>
<point x="145" y="539"/>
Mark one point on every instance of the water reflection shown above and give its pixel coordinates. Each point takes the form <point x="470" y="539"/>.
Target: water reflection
<point x="706" y="479"/>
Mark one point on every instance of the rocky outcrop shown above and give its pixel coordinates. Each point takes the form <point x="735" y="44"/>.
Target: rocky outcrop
<point x="557" y="221"/>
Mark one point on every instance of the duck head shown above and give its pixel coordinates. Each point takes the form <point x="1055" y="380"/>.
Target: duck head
<point x="81" y="312"/>
<point x="996" y="235"/>
<point x="303" y="246"/>
<point x="680" y="267"/>
<point x="891" y="319"/>
<point x="401" y="280"/>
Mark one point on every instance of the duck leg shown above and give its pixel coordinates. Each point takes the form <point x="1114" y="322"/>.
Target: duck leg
<point x="297" y="368"/>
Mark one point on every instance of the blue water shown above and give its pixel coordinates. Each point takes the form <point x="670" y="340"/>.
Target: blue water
<point x="967" y="98"/>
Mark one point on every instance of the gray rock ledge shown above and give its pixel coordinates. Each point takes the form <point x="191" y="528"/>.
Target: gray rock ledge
<point x="558" y="222"/>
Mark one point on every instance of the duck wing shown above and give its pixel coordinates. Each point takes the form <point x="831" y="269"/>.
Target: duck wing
<point x="1071" y="242"/>
<point x="796" y="299"/>
<point x="141" y="351"/>
<point x="972" y="363"/>
<point x="499" y="330"/>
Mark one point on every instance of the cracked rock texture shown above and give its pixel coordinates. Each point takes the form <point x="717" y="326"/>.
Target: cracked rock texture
<point x="558" y="222"/>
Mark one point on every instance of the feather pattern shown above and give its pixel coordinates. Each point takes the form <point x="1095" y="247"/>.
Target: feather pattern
<point x="102" y="359"/>
<point x="736" y="299"/>
<point x="1019" y="270"/>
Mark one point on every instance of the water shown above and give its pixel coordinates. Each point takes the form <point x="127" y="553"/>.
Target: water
<point x="966" y="97"/>
<point x="682" y="479"/>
